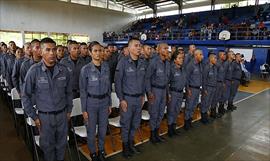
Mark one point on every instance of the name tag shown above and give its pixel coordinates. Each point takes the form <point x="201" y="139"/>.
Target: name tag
<point x="130" y="70"/>
<point x="93" y="78"/>
<point x="61" y="78"/>
<point x="142" y="68"/>
<point x="159" y="71"/>
<point x="176" y="74"/>
<point x="69" y="69"/>
<point x="43" y="80"/>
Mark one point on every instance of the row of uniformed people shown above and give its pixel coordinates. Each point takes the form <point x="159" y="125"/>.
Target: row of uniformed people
<point x="161" y="81"/>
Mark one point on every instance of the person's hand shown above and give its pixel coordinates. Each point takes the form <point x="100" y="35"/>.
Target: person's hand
<point x="169" y="98"/>
<point x="38" y="124"/>
<point x="68" y="116"/>
<point x="124" y="105"/>
<point x="151" y="98"/>
<point x="143" y="100"/>
<point x="85" y="117"/>
<point x="189" y="93"/>
<point x="110" y="109"/>
<point x="205" y="92"/>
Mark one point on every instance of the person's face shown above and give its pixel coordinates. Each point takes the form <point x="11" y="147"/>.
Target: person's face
<point x="233" y="56"/>
<point x="192" y="48"/>
<point x="96" y="52"/>
<point x="60" y="52"/>
<point x="134" y="48"/>
<point x="36" y="51"/>
<point x="74" y="50"/>
<point x="27" y="49"/>
<point x="163" y="50"/>
<point x="19" y="53"/>
<point x="4" y="48"/>
<point x="12" y="46"/>
<point x="111" y="48"/>
<point x="238" y="58"/>
<point x="125" y="51"/>
<point x="222" y="56"/>
<point x="48" y="53"/>
<point x="213" y="59"/>
<point x="173" y="49"/>
<point x="147" y="50"/>
<point x="115" y="48"/>
<point x="84" y="50"/>
<point x="179" y="59"/>
<point x="181" y="51"/>
<point x="106" y="54"/>
<point x="199" y="56"/>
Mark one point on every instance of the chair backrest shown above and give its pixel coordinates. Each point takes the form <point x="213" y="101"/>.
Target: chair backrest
<point x="14" y="94"/>
<point x="262" y="67"/>
<point x="76" y="110"/>
<point x="115" y="100"/>
<point x="30" y="121"/>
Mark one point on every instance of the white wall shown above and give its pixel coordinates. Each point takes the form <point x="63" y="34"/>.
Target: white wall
<point x="62" y="17"/>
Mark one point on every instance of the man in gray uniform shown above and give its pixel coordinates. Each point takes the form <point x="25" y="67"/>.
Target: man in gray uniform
<point x="51" y="86"/>
<point x="177" y="84"/>
<point x="84" y="53"/>
<point x="236" y="78"/>
<point x="157" y="79"/>
<point x="10" y="60"/>
<point x="220" y="90"/>
<point x="16" y="68"/>
<point x="95" y="89"/>
<point x="209" y="86"/>
<point x="190" y="55"/>
<point x="194" y="82"/>
<point x="228" y="77"/>
<point x="74" y="64"/>
<point x="130" y="89"/>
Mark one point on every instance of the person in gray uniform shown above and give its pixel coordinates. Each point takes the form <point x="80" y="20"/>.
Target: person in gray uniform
<point x="228" y="77"/>
<point x="84" y="53"/>
<point x="95" y="94"/>
<point x="130" y="89"/>
<point x="157" y="79"/>
<point x="208" y="86"/>
<point x="177" y="83"/>
<point x="190" y="55"/>
<point x="16" y="69"/>
<point x="236" y="78"/>
<point x="74" y="64"/>
<point x="194" y="83"/>
<point x="221" y="87"/>
<point x="49" y="82"/>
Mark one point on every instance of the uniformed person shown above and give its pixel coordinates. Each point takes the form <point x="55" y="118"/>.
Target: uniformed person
<point x="35" y="58"/>
<point x="130" y="89"/>
<point x="209" y="84"/>
<point x="49" y="82"/>
<point x="95" y="89"/>
<point x="113" y="60"/>
<point x="147" y="53"/>
<point x="10" y="60"/>
<point x="157" y="79"/>
<point x="228" y="77"/>
<point x="190" y="55"/>
<point x="220" y="90"/>
<point x="2" y="59"/>
<point x="16" y="69"/>
<point x="84" y="53"/>
<point x="194" y="82"/>
<point x="74" y="64"/>
<point x="236" y="78"/>
<point x="123" y="53"/>
<point x="59" y="52"/>
<point x="177" y="83"/>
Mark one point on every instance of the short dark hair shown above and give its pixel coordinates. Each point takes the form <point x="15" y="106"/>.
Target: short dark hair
<point x="83" y="43"/>
<point x="47" y="40"/>
<point x="132" y="39"/>
<point x="34" y="41"/>
<point x="210" y="53"/>
<point x="92" y="44"/>
<point x="73" y="42"/>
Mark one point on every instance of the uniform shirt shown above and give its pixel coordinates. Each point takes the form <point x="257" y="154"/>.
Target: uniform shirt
<point x="52" y="93"/>
<point x="86" y="59"/>
<point x="209" y="76"/>
<point x="16" y="73"/>
<point x="94" y="82"/>
<point x="220" y="71"/>
<point x="188" y="59"/>
<point x="194" y="74"/>
<point x="3" y="65"/>
<point x="129" y="78"/>
<point x="178" y="77"/>
<point x="236" y="70"/>
<point x="10" y="63"/>
<point x="74" y="70"/>
<point x="24" y="69"/>
<point x="158" y="73"/>
<point x="228" y="69"/>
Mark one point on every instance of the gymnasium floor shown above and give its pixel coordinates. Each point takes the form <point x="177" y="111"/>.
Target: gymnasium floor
<point x="241" y="135"/>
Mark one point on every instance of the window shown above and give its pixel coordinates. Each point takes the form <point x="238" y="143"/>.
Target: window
<point x="197" y="9"/>
<point x="115" y="6"/>
<point x="29" y="36"/>
<point x="83" y="2"/>
<point x="80" y="38"/>
<point x="99" y="3"/>
<point x="59" y="38"/>
<point x="15" y="36"/>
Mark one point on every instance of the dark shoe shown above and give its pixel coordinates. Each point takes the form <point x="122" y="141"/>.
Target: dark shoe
<point x="186" y="125"/>
<point x="234" y="107"/>
<point x="133" y="149"/>
<point x="204" y="118"/>
<point x="213" y="113"/>
<point x="158" y="138"/>
<point x="126" y="152"/>
<point x="94" y="157"/>
<point x="153" y="138"/>
<point x="101" y="155"/>
<point x="229" y="108"/>
<point x="190" y="123"/>
<point x="221" y="109"/>
<point x="175" y="132"/>
<point x="170" y="130"/>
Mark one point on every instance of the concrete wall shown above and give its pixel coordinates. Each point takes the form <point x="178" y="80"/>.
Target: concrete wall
<point x="62" y="17"/>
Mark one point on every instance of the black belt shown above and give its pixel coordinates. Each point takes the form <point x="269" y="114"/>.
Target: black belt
<point x="194" y="87"/>
<point x="237" y="79"/>
<point x="98" y="96"/>
<point x="211" y="86"/>
<point x="53" y="112"/>
<point x="160" y="87"/>
<point x="176" y="90"/>
<point x="133" y="95"/>
<point x="220" y="81"/>
<point x="228" y="79"/>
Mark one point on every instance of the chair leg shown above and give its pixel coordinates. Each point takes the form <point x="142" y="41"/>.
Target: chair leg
<point x="35" y="155"/>
<point x="75" y="139"/>
<point x="111" y="136"/>
<point x="69" y="152"/>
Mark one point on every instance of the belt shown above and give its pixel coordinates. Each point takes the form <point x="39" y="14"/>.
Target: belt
<point x="194" y="87"/>
<point x="98" y="96"/>
<point x="211" y="86"/>
<point x="160" y="87"/>
<point x="53" y="112"/>
<point x="133" y="95"/>
<point x="228" y="79"/>
<point x="176" y="90"/>
<point x="220" y="81"/>
<point x="236" y="79"/>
